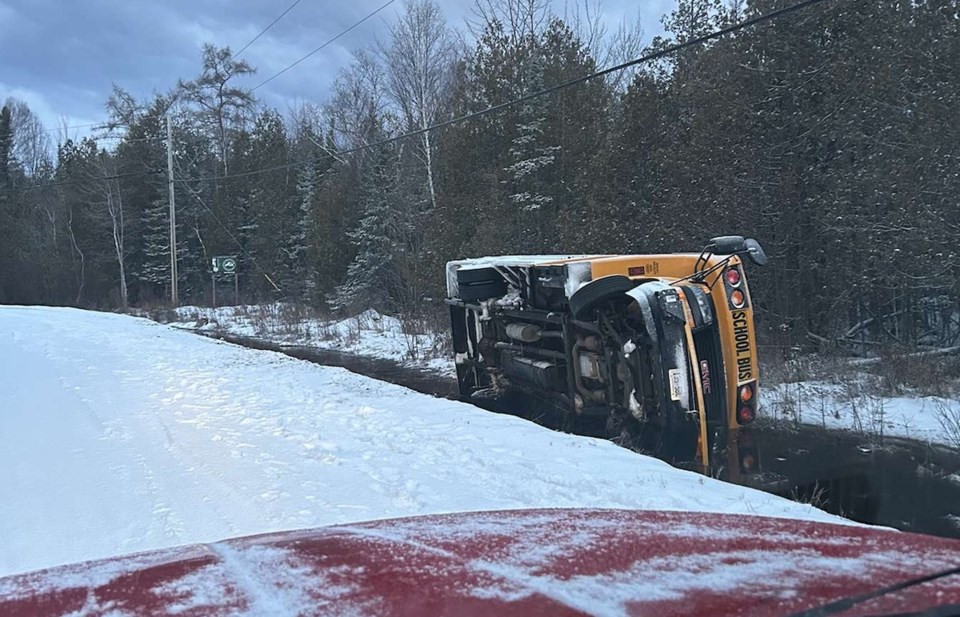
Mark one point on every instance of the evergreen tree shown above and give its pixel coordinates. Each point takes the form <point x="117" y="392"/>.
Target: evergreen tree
<point x="296" y="248"/>
<point x="371" y="275"/>
<point x="270" y="206"/>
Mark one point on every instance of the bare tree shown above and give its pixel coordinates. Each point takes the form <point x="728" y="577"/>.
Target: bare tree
<point x="82" y="274"/>
<point x="585" y="18"/>
<point x="624" y="44"/>
<point x="310" y="122"/>
<point x="31" y="144"/>
<point x="419" y="62"/>
<point x="101" y="191"/>
<point x="114" y="205"/>
<point x="222" y="104"/>
<point x="521" y="19"/>
<point x="358" y="101"/>
<point x="609" y="48"/>
<point x="123" y="107"/>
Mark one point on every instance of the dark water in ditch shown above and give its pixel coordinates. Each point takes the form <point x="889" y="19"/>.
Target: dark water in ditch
<point x="898" y="483"/>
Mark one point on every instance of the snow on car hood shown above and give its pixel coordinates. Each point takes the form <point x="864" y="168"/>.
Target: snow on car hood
<point x="533" y="562"/>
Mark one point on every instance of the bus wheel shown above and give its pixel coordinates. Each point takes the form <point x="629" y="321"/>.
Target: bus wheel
<point x="590" y="296"/>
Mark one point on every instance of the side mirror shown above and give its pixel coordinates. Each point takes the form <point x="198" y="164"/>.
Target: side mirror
<point x="726" y="245"/>
<point x="755" y="252"/>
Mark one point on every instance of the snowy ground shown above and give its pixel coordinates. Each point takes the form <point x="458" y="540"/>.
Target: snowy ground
<point x="848" y="406"/>
<point x="120" y="435"/>
<point x="368" y="334"/>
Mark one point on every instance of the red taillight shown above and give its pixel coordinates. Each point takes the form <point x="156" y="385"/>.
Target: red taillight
<point x="737" y="298"/>
<point x="746" y="393"/>
<point x="733" y="277"/>
<point x="745" y="415"/>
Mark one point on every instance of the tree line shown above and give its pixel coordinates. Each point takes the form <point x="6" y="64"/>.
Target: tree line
<point x="831" y="135"/>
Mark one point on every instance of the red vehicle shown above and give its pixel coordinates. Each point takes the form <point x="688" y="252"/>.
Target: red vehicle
<point x="526" y="562"/>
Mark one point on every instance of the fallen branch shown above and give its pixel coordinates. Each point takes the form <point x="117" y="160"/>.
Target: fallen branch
<point x="820" y="339"/>
<point x="942" y="351"/>
<point x="866" y="322"/>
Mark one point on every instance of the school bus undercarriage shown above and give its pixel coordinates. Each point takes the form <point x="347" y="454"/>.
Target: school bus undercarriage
<point x="659" y="348"/>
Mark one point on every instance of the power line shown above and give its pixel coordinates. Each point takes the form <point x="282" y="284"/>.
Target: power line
<point x="656" y="55"/>
<point x="261" y="33"/>
<point x="131" y="174"/>
<point x="125" y="138"/>
<point x="271" y="78"/>
<point x="105" y="125"/>
<point x="102" y="125"/>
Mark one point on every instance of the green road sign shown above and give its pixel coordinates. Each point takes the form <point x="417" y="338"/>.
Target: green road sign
<point x="224" y="265"/>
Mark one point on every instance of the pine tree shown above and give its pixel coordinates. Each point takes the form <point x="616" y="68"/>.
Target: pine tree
<point x="335" y="213"/>
<point x="270" y="208"/>
<point x="155" y="267"/>
<point x="371" y="276"/>
<point x="530" y="156"/>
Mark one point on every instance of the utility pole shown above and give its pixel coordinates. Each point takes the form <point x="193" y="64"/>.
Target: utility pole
<point x="173" y="218"/>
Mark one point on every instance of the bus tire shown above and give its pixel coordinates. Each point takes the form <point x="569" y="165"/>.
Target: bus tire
<point x="587" y="298"/>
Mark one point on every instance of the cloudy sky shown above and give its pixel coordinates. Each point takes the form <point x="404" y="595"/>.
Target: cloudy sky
<point x="61" y="56"/>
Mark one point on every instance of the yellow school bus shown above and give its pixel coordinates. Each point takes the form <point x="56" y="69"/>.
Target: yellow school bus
<point x="659" y="348"/>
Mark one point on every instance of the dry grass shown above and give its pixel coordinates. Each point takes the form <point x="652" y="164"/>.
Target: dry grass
<point x="905" y="373"/>
<point x="891" y="373"/>
<point x="425" y="334"/>
<point x="816" y="496"/>
<point x="948" y="413"/>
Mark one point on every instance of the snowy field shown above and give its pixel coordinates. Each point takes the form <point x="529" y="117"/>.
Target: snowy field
<point x="120" y="435"/>
<point x="367" y="334"/>
<point x="832" y="405"/>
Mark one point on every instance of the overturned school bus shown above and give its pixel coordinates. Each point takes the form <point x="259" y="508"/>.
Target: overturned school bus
<point x="660" y="349"/>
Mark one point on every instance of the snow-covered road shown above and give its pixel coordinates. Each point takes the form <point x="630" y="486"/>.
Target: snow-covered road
<point x="118" y="434"/>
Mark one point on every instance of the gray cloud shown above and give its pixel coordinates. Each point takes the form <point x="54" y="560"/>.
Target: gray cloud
<point x="61" y="56"/>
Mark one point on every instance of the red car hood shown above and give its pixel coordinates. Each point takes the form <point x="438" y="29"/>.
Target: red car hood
<point x="530" y="562"/>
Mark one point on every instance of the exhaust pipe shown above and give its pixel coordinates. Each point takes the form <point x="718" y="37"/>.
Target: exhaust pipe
<point x="524" y="332"/>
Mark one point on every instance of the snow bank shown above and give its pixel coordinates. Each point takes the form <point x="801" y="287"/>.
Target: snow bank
<point x="120" y="435"/>
<point x="368" y="334"/>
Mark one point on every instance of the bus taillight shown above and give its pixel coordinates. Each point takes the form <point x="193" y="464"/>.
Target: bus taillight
<point x="747" y="403"/>
<point x="733" y="277"/>
<point x="737" y="298"/>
